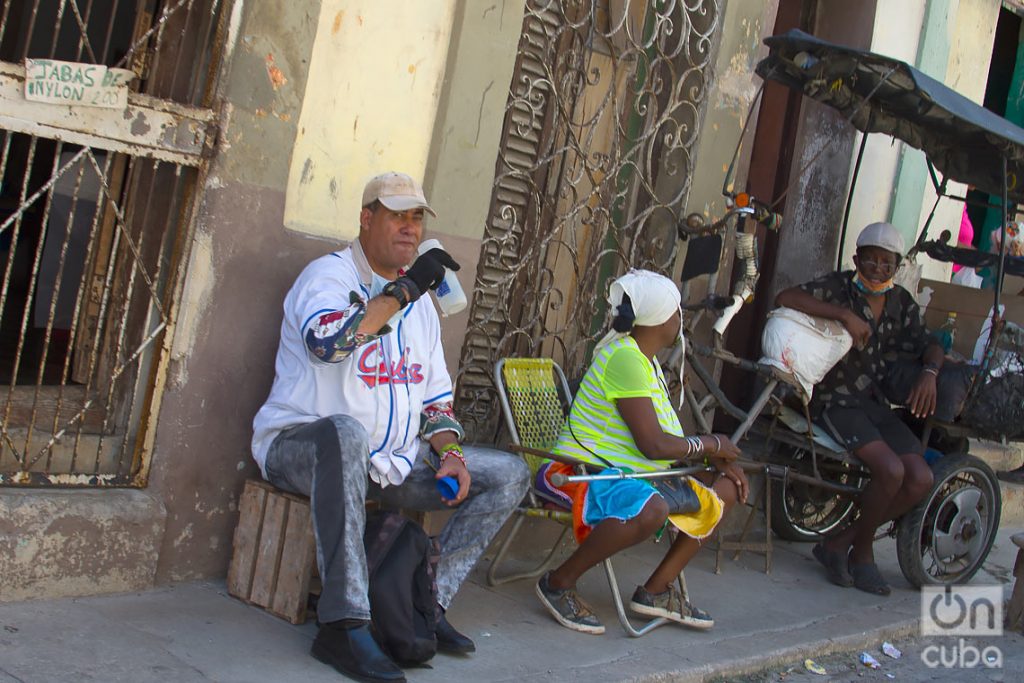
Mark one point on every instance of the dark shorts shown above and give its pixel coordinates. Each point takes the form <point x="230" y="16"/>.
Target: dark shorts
<point x="856" y="427"/>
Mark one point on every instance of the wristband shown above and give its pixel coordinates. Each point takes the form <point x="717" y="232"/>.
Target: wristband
<point x="931" y="371"/>
<point x="453" y="450"/>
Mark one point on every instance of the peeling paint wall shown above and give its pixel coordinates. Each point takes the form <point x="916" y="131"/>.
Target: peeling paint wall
<point x="373" y="92"/>
<point x="460" y="171"/>
<point x="49" y="542"/>
<point x="731" y="89"/>
<point x="195" y="301"/>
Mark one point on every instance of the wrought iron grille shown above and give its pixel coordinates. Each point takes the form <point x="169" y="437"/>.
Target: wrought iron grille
<point x="92" y="227"/>
<point x="592" y="176"/>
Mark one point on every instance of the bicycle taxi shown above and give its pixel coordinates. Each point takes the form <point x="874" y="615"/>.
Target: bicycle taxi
<point x="815" y="482"/>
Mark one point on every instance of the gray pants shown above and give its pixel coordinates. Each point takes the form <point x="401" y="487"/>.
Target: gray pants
<point x="328" y="460"/>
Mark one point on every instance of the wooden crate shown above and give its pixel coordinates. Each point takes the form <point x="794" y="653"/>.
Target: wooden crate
<point x="274" y="551"/>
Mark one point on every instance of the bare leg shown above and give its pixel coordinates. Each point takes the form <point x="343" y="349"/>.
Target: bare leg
<point x="684" y="547"/>
<point x="608" y="538"/>
<point x="897" y="483"/>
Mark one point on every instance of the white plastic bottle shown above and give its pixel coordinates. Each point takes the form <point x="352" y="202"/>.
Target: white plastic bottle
<point x="450" y="297"/>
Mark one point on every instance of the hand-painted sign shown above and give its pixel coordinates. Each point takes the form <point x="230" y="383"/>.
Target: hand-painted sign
<point x="84" y="85"/>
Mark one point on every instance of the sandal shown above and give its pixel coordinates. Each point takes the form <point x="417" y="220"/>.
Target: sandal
<point x="835" y="565"/>
<point x="867" y="578"/>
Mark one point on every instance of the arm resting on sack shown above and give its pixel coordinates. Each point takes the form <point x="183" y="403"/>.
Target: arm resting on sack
<point x="801" y="300"/>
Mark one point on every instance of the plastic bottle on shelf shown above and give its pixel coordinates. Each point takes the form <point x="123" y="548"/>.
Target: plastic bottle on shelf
<point x="947" y="333"/>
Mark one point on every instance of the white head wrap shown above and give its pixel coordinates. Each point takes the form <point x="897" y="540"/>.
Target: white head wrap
<point x="654" y="297"/>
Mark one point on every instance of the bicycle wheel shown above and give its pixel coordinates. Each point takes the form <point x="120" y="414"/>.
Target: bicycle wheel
<point x="804" y="512"/>
<point x="946" y="537"/>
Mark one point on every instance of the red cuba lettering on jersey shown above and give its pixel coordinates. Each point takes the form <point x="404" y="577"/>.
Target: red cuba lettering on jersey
<point x="374" y="371"/>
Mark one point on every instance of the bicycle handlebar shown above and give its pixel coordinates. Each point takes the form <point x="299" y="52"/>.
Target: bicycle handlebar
<point x="694" y="224"/>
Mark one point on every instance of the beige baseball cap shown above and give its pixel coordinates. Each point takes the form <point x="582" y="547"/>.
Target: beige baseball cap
<point x="884" y="235"/>
<point x="397" y="191"/>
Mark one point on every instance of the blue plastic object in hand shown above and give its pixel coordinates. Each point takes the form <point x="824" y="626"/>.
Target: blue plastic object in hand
<point x="448" y="487"/>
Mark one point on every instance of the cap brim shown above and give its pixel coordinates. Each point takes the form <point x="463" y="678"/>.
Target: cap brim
<point x="405" y="204"/>
<point x="888" y="247"/>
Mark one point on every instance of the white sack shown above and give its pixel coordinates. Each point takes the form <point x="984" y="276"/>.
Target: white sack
<point x="804" y="345"/>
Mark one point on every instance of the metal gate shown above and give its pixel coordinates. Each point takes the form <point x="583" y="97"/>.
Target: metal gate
<point x="592" y="176"/>
<point x="95" y="210"/>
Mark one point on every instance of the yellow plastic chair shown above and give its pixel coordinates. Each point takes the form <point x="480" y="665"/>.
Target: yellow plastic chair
<point x="535" y="400"/>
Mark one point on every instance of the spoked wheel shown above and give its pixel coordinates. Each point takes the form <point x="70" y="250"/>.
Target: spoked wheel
<point x="805" y="512"/>
<point x="945" y="539"/>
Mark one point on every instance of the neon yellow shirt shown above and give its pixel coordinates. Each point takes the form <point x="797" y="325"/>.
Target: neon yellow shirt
<point x="619" y="370"/>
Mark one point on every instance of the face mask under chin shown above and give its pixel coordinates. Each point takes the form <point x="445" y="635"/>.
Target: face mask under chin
<point x="868" y="287"/>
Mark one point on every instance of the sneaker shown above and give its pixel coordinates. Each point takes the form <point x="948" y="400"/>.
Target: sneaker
<point x="670" y="605"/>
<point x="568" y="608"/>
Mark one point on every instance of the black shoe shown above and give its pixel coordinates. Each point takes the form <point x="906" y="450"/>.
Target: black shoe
<point x="353" y="652"/>
<point x="451" y="641"/>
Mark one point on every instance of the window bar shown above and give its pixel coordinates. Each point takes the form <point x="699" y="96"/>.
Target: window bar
<point x="83" y="291"/>
<point x="3" y="19"/>
<point x="185" y="20"/>
<point x="173" y="213"/>
<point x="27" y="312"/>
<point x="137" y="268"/>
<point x="136" y="249"/>
<point x="51" y="317"/>
<point x="108" y="279"/>
<point x="84" y="20"/>
<point x="144" y="38"/>
<point x="105" y="53"/>
<point x="206" y="75"/>
<point x="159" y="46"/>
<point x="56" y="31"/>
<point x="31" y="28"/>
<point x="16" y="219"/>
<point x="83" y="29"/>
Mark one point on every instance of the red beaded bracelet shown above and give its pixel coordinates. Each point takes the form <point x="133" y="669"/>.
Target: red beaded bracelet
<point x="453" y="450"/>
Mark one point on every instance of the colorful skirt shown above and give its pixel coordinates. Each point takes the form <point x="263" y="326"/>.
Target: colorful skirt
<point x="623" y="499"/>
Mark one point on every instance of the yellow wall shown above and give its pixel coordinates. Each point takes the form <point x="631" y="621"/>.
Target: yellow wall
<point x="468" y="126"/>
<point x="371" y="99"/>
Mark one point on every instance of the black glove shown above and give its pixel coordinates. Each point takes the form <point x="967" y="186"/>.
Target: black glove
<point x="427" y="272"/>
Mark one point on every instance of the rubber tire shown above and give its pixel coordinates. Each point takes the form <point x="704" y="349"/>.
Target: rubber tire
<point x="909" y="530"/>
<point x="790" y="529"/>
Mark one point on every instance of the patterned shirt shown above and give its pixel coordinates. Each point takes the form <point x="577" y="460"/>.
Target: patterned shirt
<point x="900" y="332"/>
<point x="595" y="431"/>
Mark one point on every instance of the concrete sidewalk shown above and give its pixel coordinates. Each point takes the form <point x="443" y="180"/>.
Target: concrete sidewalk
<point x="195" y="632"/>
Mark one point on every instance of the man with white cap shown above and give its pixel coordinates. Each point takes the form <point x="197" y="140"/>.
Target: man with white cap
<point x="361" y="408"/>
<point x="853" y="400"/>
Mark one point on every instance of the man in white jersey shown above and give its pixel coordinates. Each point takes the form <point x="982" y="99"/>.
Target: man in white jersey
<point x="361" y="408"/>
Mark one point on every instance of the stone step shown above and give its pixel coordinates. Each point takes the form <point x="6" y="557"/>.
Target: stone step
<point x="1000" y="457"/>
<point x="1003" y="457"/>
<point x="1013" y="506"/>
